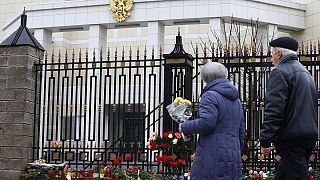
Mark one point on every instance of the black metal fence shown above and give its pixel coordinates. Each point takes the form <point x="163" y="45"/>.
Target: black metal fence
<point x="92" y="110"/>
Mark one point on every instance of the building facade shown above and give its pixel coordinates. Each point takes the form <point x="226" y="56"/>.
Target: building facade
<point x="68" y="24"/>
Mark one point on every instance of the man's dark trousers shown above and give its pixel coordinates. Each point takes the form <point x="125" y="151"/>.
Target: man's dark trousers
<point x="294" y="164"/>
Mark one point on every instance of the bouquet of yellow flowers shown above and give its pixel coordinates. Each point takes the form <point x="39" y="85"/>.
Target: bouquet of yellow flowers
<point x="180" y="110"/>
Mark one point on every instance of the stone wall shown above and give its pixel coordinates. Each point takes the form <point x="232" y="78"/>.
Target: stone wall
<point x="17" y="98"/>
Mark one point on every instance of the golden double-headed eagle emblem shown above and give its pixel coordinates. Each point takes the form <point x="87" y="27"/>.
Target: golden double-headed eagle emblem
<point x="121" y="9"/>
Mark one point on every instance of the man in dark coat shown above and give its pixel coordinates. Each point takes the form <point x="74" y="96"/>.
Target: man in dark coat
<point x="220" y="127"/>
<point x="290" y="115"/>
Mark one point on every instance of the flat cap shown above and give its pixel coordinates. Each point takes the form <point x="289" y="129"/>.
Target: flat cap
<point x="285" y="42"/>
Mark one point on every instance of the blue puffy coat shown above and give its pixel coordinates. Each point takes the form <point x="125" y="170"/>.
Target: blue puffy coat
<point x="221" y="129"/>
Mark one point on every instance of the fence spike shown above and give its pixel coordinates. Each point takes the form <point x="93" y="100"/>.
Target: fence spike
<point x="46" y="55"/>
<point x="152" y="52"/>
<point x="319" y="45"/>
<point x="310" y="46"/>
<point x="100" y="53"/>
<point x="205" y="50"/>
<point x="299" y="49"/>
<point x="253" y="49"/>
<point x="145" y="51"/>
<point x="52" y="54"/>
<point x="217" y="51"/>
<point x="116" y="52"/>
<point x="66" y="55"/>
<point x="160" y="53"/>
<point x="138" y="51"/>
<point x="197" y="48"/>
<point x="232" y="50"/>
<point x="130" y="52"/>
<point x="94" y="54"/>
<point x="108" y="53"/>
<point x="59" y="54"/>
<point x="245" y="50"/>
<point x="122" y="52"/>
<point x="73" y="55"/>
<point x="212" y="49"/>
<point x="80" y="55"/>
<point x="237" y="50"/>
<point x="87" y="54"/>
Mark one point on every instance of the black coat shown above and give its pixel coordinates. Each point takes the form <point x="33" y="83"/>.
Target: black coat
<point x="290" y="114"/>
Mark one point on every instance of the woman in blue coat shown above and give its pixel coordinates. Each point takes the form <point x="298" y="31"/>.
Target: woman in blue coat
<point x="220" y="126"/>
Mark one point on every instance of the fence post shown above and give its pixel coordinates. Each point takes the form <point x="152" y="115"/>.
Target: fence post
<point x="177" y="60"/>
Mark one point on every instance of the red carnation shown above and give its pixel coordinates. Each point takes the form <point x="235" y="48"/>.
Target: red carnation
<point x="158" y="158"/>
<point x="182" y="161"/>
<point x="128" y="157"/>
<point x="178" y="135"/>
<point x="129" y="169"/>
<point x="119" y="158"/>
<point x="81" y="174"/>
<point x="136" y="168"/>
<point x="153" y="145"/>
<point x="174" y="164"/>
<point x="164" y="158"/>
<point x="166" y="134"/>
<point x="90" y="174"/>
<point x="117" y="161"/>
<point x="163" y="145"/>
<point x="52" y="173"/>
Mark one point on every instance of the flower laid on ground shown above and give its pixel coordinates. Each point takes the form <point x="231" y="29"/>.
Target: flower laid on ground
<point x="173" y="147"/>
<point x="255" y="175"/>
<point x="41" y="169"/>
<point x="314" y="175"/>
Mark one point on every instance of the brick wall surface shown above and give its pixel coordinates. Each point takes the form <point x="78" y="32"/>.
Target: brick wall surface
<point x="17" y="92"/>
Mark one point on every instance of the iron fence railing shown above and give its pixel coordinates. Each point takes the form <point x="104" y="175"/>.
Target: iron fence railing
<point x="89" y="111"/>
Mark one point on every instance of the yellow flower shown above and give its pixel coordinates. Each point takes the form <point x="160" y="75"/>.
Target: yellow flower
<point x="178" y="99"/>
<point x="187" y="102"/>
<point x="101" y="175"/>
<point x="182" y="101"/>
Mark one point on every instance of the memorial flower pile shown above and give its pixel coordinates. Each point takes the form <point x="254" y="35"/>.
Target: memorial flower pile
<point x="173" y="150"/>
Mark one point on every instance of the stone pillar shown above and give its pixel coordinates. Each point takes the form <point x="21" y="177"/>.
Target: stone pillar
<point x="44" y="37"/>
<point x="97" y="40"/>
<point x="17" y="99"/>
<point x="155" y="38"/>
